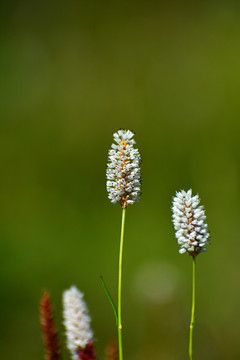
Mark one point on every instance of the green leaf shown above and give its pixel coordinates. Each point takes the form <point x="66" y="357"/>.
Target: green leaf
<point x="110" y="299"/>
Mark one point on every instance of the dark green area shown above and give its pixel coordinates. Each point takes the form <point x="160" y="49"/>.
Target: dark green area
<point x="72" y="73"/>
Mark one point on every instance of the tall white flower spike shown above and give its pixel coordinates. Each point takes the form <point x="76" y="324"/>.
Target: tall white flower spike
<point x="76" y="321"/>
<point x="123" y="170"/>
<point x="189" y="221"/>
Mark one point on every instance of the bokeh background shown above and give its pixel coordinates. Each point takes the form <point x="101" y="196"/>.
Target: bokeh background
<point x="72" y="73"/>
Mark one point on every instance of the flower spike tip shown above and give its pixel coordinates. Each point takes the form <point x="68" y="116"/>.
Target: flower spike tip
<point x="189" y="221"/>
<point x="123" y="170"/>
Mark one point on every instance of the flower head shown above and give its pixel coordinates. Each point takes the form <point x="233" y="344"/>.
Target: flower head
<point x="189" y="221"/>
<point x="77" y="324"/>
<point x="123" y="171"/>
<point x="49" y="331"/>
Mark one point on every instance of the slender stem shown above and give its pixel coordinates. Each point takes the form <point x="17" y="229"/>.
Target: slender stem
<point x="193" y="309"/>
<point x="120" y="287"/>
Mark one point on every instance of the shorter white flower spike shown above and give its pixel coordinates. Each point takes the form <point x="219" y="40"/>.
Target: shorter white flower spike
<point x="76" y="321"/>
<point x="123" y="170"/>
<point x="189" y="221"/>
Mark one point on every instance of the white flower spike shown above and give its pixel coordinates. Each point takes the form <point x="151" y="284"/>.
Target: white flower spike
<point x="123" y="170"/>
<point x="189" y="221"/>
<point x="76" y="321"/>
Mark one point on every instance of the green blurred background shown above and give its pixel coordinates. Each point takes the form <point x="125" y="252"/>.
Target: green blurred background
<point x="72" y="73"/>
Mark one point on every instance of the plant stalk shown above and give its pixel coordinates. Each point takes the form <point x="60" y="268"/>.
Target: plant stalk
<point x="120" y="287"/>
<point x="193" y="309"/>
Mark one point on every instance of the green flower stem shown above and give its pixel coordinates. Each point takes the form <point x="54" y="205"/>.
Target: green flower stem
<point x="120" y="287"/>
<point x="193" y="309"/>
